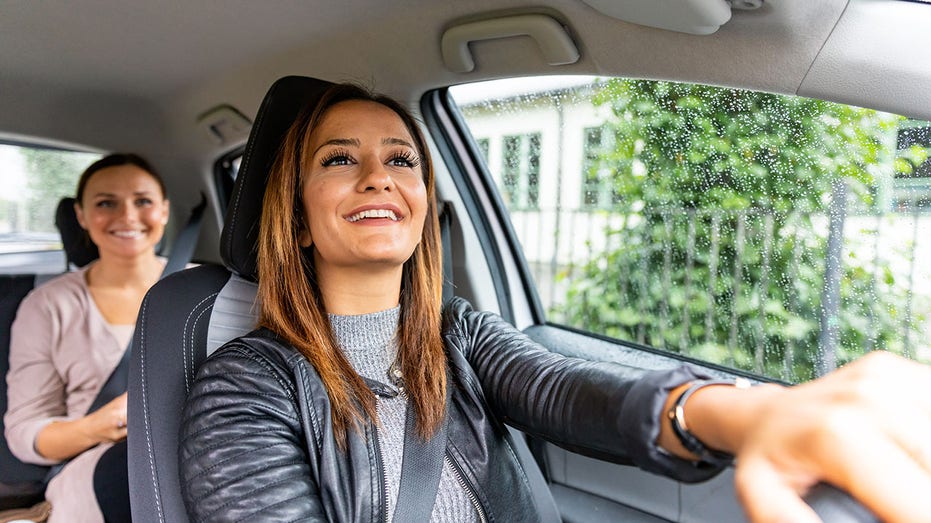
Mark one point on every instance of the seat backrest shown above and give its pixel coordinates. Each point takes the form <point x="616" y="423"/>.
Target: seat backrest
<point x="22" y="484"/>
<point x="185" y="310"/>
<point x="79" y="249"/>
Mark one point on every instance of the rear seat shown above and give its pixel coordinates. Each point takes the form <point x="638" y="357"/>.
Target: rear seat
<point x="22" y="484"/>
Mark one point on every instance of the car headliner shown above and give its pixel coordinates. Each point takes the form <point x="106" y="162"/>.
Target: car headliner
<point x="117" y="75"/>
<point x="160" y="51"/>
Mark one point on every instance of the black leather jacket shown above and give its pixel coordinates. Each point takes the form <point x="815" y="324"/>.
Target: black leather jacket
<point x="257" y="441"/>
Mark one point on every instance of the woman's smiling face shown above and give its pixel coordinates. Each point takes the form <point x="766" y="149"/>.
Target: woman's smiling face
<point x="123" y="211"/>
<point x="363" y="190"/>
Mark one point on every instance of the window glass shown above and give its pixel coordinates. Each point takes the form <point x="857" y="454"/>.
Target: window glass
<point x="774" y="234"/>
<point x="520" y="172"/>
<point x="34" y="179"/>
<point x="226" y="170"/>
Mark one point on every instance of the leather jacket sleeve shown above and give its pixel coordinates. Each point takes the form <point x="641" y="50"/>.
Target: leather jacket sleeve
<point x="603" y="410"/>
<point x="242" y="456"/>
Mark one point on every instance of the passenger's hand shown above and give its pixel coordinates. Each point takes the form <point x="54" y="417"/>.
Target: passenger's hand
<point x="109" y="422"/>
<point x="865" y="428"/>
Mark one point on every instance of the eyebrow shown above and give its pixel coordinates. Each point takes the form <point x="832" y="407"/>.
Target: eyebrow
<point x="356" y="143"/>
<point x="113" y="195"/>
<point x="339" y="141"/>
<point x="396" y="141"/>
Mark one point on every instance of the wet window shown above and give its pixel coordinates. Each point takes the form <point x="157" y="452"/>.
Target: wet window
<point x="520" y="171"/>
<point x="775" y="234"/>
<point x="33" y="181"/>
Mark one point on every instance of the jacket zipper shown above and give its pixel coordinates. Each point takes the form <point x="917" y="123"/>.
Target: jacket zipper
<point x="384" y="475"/>
<point x="465" y="486"/>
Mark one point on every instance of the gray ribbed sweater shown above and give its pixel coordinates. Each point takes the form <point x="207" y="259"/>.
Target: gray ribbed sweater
<point x="368" y="341"/>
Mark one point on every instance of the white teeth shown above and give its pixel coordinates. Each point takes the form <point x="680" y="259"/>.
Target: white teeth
<point x="373" y="213"/>
<point x="127" y="234"/>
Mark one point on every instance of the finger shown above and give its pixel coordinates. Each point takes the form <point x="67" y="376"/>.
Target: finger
<point x="912" y="436"/>
<point x="901" y="376"/>
<point x="770" y="497"/>
<point x="887" y="480"/>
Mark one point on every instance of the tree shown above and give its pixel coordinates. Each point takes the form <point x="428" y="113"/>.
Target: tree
<point x="721" y="250"/>
<point x="53" y="174"/>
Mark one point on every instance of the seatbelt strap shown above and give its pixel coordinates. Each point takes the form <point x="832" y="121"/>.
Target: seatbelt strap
<point x="421" y="468"/>
<point x="180" y="256"/>
<point x="183" y="249"/>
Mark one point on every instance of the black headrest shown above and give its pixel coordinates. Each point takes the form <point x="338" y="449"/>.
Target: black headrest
<point x="79" y="249"/>
<point x="279" y="109"/>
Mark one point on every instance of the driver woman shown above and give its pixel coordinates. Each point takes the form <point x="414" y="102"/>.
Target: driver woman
<point x="306" y="418"/>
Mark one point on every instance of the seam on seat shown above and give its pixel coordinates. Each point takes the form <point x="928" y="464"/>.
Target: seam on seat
<point x="185" y="344"/>
<point x="145" y="412"/>
<point x="247" y="156"/>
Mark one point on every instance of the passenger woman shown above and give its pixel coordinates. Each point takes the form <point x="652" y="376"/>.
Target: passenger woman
<point x="306" y="418"/>
<point x="70" y="333"/>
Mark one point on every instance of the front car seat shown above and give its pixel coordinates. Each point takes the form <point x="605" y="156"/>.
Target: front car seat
<point x="204" y="306"/>
<point x="189" y="314"/>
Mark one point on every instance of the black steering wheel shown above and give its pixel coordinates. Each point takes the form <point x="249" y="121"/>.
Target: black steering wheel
<point x="836" y="506"/>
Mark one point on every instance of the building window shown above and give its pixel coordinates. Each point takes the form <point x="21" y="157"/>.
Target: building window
<point x="597" y="183"/>
<point x="521" y="173"/>
<point x="912" y="184"/>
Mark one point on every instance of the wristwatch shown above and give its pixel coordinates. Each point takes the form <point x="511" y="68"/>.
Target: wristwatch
<point x="676" y="415"/>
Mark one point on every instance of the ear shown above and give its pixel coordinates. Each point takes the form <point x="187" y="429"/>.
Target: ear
<point x="79" y="214"/>
<point x="304" y="238"/>
<point x="166" y="210"/>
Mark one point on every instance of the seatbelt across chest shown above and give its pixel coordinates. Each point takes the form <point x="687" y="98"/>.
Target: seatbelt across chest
<point x="179" y="258"/>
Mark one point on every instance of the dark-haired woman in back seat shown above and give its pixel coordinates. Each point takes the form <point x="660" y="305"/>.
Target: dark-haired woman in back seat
<point x="70" y="334"/>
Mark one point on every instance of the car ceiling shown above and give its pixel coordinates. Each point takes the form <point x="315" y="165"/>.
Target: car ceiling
<point x="134" y="75"/>
<point x="165" y="53"/>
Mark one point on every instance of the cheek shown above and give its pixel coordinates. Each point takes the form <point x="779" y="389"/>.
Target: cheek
<point x="96" y="217"/>
<point x="155" y="216"/>
<point x="417" y="199"/>
<point x="320" y="202"/>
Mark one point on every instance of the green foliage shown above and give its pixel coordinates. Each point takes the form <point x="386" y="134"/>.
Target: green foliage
<point x="720" y="252"/>
<point x="52" y="175"/>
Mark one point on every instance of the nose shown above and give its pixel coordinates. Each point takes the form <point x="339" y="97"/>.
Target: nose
<point x="129" y="212"/>
<point x="374" y="176"/>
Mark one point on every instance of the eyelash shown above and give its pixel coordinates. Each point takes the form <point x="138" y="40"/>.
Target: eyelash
<point x="408" y="157"/>
<point x="336" y="154"/>
<point x="140" y="202"/>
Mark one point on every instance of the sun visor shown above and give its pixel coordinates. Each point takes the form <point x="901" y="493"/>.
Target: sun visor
<point x="698" y="17"/>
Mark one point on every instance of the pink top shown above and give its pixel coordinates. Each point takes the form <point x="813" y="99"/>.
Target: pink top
<point x="61" y="353"/>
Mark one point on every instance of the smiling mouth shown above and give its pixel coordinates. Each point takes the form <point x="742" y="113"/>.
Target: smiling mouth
<point x="127" y="234"/>
<point x="374" y="213"/>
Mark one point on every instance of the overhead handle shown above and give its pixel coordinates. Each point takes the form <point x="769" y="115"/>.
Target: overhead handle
<point x="555" y="44"/>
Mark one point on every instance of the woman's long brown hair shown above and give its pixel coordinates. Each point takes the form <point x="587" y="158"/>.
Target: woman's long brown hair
<point x="291" y="302"/>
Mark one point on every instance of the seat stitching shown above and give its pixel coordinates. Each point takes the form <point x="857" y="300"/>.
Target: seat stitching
<point x="145" y="411"/>
<point x="247" y="156"/>
<point x="184" y="346"/>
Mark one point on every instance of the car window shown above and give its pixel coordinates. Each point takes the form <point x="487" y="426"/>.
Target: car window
<point x="34" y="179"/>
<point x="774" y="234"/>
<point x="225" y="171"/>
